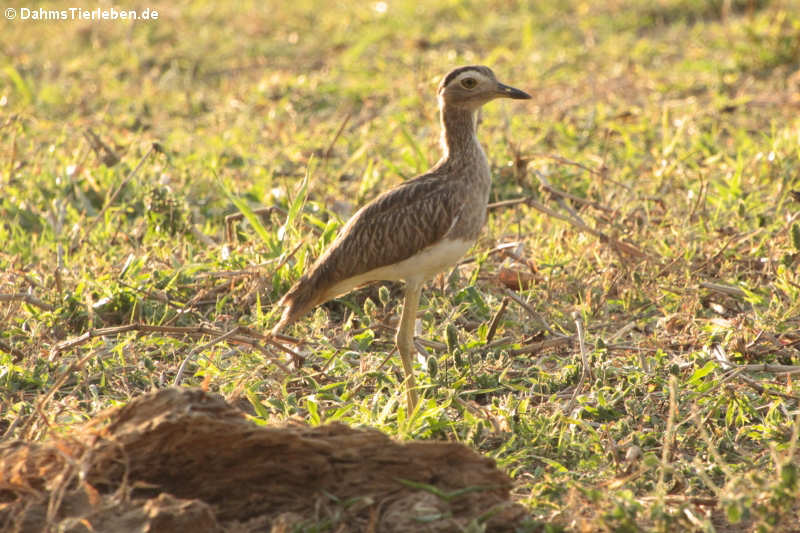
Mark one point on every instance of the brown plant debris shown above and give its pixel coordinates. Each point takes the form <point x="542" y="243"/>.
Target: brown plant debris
<point x="185" y="460"/>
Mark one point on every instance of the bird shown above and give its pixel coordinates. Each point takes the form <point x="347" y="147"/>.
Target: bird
<point x="419" y="228"/>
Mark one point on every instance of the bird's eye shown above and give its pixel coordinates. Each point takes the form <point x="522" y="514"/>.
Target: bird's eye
<point x="468" y="83"/>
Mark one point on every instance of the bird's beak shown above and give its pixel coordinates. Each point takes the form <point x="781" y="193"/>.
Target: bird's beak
<point x="511" y="92"/>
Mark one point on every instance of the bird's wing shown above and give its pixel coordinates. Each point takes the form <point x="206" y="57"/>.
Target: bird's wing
<point x="396" y="225"/>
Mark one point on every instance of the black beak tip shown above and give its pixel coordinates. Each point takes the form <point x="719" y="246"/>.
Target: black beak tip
<point x="511" y="92"/>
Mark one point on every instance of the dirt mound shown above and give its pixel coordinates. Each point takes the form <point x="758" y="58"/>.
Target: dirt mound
<point x="185" y="460"/>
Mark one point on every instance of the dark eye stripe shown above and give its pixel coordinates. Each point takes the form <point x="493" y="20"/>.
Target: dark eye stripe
<point x="484" y="71"/>
<point x="454" y="73"/>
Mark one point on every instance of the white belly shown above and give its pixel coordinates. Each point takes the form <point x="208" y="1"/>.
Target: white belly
<point x="416" y="269"/>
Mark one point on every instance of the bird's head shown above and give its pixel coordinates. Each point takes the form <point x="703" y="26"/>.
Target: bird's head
<point x="472" y="86"/>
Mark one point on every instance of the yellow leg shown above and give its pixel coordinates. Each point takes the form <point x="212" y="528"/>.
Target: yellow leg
<point x="405" y="340"/>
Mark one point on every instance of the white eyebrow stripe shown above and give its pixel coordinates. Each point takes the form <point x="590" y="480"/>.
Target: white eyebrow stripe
<point x="469" y="74"/>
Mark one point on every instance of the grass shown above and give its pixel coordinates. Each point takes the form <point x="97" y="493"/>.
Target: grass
<point x="675" y="122"/>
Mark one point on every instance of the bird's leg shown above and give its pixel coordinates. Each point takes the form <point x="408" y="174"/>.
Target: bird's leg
<point x="405" y="340"/>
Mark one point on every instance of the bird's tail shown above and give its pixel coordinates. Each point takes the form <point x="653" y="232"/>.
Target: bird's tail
<point x="297" y="302"/>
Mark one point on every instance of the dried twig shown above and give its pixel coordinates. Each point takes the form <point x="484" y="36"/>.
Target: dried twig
<point x="272" y="341"/>
<point x="682" y="499"/>
<point x="198" y="349"/>
<point x="601" y="173"/>
<point x="19" y="419"/>
<point x="17" y="354"/>
<point x="699" y="423"/>
<point x="103" y="151"/>
<point x="252" y="295"/>
<point x="535" y="347"/>
<point x="716" y="256"/>
<point x="200" y="236"/>
<point x="617" y="245"/>
<point x="668" y="434"/>
<point x="59" y="381"/>
<point x="499" y="249"/>
<point x="481" y="412"/>
<point x="621" y="331"/>
<point x="489" y="345"/>
<point x="735" y="370"/>
<point x="496" y="320"/>
<point x="253" y="271"/>
<point x="154" y="147"/>
<point x="27" y="298"/>
<point x="586" y="371"/>
<point x="559" y="195"/>
<point x="566" y="161"/>
<point x="160" y="296"/>
<point x="547" y="187"/>
<point x="263" y="212"/>
<point x="353" y="392"/>
<point x="728" y="290"/>
<point x="531" y="311"/>
<point x="327" y="153"/>
<point x="761" y="389"/>
<point x="243" y="336"/>
<point x="197" y="299"/>
<point x="509" y="203"/>
<point x="776" y="369"/>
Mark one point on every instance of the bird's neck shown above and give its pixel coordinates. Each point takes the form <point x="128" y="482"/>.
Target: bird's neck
<point x="458" y="133"/>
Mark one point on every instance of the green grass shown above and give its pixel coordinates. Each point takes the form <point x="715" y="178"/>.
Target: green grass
<point x="685" y="114"/>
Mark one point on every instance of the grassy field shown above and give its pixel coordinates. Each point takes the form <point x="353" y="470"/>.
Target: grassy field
<point x="665" y="134"/>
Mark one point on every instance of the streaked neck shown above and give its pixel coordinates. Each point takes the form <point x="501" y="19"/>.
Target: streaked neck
<point x="458" y="131"/>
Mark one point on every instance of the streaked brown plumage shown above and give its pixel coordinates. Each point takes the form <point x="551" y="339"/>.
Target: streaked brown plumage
<point x="420" y="227"/>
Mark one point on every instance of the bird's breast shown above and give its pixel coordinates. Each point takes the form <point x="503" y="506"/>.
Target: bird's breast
<point x="429" y="261"/>
<point x="474" y="198"/>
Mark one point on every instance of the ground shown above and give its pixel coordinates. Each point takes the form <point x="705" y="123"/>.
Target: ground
<point x="647" y="195"/>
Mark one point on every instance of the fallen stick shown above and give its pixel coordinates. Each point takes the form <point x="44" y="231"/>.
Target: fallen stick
<point x="531" y="311"/>
<point x="728" y="290"/>
<point x="27" y="298"/>
<point x="249" y="338"/>
<point x="615" y="244"/>
<point x="154" y="147"/>
<point x="496" y="320"/>
<point x="542" y="345"/>
<point x="586" y="371"/>
<point x="198" y="349"/>
<point x="17" y="354"/>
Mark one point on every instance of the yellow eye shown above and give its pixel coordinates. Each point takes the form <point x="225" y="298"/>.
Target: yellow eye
<point x="468" y="83"/>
